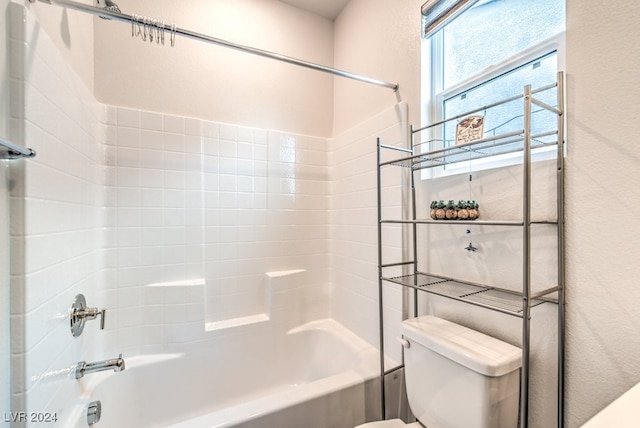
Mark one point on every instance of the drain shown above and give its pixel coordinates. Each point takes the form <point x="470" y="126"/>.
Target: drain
<point x="94" y="412"/>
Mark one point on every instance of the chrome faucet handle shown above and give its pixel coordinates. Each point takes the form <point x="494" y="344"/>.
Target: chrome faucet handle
<point x="93" y="313"/>
<point x="80" y="314"/>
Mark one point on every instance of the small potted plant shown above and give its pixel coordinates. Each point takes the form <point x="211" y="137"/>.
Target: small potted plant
<point x="474" y="210"/>
<point x="463" y="210"/>
<point x="432" y="212"/>
<point x="440" y="210"/>
<point x="451" y="213"/>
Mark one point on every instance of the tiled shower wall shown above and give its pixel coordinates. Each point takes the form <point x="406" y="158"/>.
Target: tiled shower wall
<point x="197" y="213"/>
<point x="170" y="223"/>
<point x="56" y="217"/>
<point x="354" y="237"/>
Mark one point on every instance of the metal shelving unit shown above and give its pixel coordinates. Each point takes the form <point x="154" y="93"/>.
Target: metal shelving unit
<point x="517" y="304"/>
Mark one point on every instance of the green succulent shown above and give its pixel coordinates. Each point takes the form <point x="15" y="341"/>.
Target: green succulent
<point x="463" y="209"/>
<point x="440" y="210"/>
<point x="474" y="212"/>
<point x="451" y="213"/>
<point x="433" y="206"/>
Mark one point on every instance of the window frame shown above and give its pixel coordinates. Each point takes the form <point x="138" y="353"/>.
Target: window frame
<point x="433" y="95"/>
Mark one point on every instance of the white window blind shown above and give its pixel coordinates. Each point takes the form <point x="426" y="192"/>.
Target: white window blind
<point x="436" y="13"/>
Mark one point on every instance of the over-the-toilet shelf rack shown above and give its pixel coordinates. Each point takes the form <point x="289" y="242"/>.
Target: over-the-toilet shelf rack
<point x="132" y="19"/>
<point x="518" y="304"/>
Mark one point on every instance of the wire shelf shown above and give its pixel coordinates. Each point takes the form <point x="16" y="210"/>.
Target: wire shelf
<point x="512" y="142"/>
<point x="500" y="300"/>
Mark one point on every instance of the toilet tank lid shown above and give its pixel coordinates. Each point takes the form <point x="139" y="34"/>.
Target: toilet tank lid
<point x="477" y="351"/>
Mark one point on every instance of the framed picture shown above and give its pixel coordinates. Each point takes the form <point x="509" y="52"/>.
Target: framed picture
<point x="470" y="129"/>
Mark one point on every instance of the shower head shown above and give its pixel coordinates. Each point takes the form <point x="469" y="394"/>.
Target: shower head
<point x="109" y="5"/>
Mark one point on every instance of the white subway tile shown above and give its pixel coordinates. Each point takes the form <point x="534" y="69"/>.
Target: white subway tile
<point x="152" y="256"/>
<point x="129" y="217"/>
<point x="151" y="121"/>
<point x="193" y="127"/>
<point x="151" y="139"/>
<point x="174" y="217"/>
<point x="152" y="236"/>
<point x="174" y="124"/>
<point x="228" y="132"/>
<point x="152" y="159"/>
<point x="174" y="142"/>
<point x="174" y="179"/>
<point x="129" y="237"/>
<point x="128" y="157"/>
<point x="152" y="217"/>
<point x="174" y="198"/>
<point x="172" y="237"/>
<point x="128" y="117"/>
<point x="210" y="129"/>
<point x="228" y="148"/>
<point x="210" y="146"/>
<point x="128" y="177"/>
<point x="128" y="197"/>
<point x="128" y="137"/>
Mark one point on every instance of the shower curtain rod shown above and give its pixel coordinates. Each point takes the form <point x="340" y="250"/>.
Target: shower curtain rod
<point x="14" y="152"/>
<point x="122" y="17"/>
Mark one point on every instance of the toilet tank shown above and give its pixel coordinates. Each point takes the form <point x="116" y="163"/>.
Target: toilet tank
<point x="460" y="378"/>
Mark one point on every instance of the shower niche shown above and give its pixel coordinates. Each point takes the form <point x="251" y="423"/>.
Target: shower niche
<point x="508" y="260"/>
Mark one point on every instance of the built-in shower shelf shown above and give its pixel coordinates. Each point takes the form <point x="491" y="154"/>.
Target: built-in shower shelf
<point x="501" y="300"/>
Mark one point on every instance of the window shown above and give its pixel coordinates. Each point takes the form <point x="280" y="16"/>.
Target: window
<point x="487" y="53"/>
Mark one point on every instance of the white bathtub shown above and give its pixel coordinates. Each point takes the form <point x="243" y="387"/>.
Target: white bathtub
<point x="312" y="376"/>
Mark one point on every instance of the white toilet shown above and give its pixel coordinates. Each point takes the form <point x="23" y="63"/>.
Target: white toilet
<point x="457" y="377"/>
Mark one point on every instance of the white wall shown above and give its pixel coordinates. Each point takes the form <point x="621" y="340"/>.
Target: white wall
<point x="603" y="64"/>
<point x="233" y="86"/>
<point x="380" y="39"/>
<point x="136" y="74"/>
<point x="603" y="68"/>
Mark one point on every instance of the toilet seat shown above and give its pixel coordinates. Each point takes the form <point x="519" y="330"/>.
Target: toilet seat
<point x="391" y="423"/>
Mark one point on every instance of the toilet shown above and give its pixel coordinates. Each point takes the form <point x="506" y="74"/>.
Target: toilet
<point x="457" y="377"/>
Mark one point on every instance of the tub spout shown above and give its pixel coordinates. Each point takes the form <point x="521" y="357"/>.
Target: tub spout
<point x="115" y="364"/>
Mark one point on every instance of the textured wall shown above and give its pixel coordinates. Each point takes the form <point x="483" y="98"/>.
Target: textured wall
<point x="379" y="39"/>
<point x="232" y="86"/>
<point x="603" y="64"/>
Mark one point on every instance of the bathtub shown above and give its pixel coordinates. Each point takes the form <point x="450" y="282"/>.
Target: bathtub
<point x="317" y="375"/>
